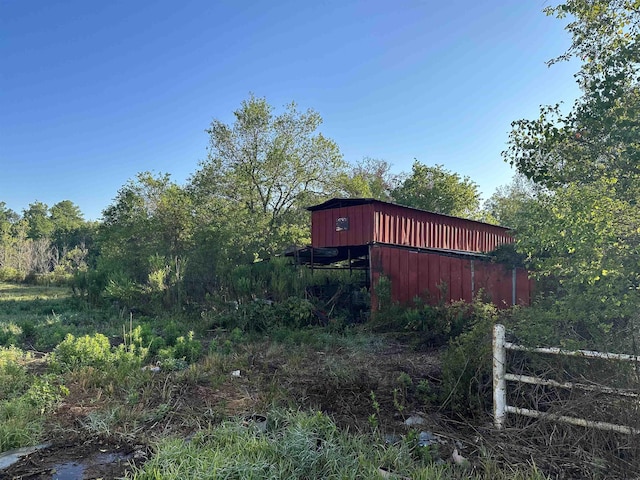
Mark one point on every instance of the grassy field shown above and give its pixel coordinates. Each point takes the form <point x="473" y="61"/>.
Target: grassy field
<point x="172" y="398"/>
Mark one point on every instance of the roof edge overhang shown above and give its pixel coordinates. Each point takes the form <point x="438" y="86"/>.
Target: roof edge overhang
<point x="338" y="202"/>
<point x="325" y="255"/>
<point x="438" y="251"/>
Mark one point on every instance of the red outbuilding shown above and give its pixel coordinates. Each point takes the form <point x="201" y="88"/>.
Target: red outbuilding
<point x="424" y="254"/>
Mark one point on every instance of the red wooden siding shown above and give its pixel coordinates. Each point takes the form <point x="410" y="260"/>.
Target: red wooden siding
<point x="374" y="221"/>
<point x="419" y="274"/>
<point x="399" y="225"/>
<point x="360" y="231"/>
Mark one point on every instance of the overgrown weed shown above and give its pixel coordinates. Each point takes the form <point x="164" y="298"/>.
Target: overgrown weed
<point x="25" y="400"/>
<point x="296" y="444"/>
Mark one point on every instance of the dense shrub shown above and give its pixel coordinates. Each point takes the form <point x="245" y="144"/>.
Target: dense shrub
<point x="466" y="364"/>
<point x="187" y="348"/>
<point x="264" y="316"/>
<point x="96" y="351"/>
<point x="59" y="276"/>
<point x="89" y="285"/>
<point x="9" y="274"/>
<point x="88" y="350"/>
<point x="9" y="334"/>
<point x="13" y="375"/>
<point x="436" y="324"/>
<point x="24" y="400"/>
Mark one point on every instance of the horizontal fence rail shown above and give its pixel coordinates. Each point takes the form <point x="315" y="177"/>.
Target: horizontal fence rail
<point x="500" y="378"/>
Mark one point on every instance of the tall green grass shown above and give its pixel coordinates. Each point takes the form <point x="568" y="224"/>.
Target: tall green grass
<point x="24" y="400"/>
<point x="295" y="445"/>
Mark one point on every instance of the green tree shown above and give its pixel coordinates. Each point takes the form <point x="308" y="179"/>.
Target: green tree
<point x="8" y="221"/>
<point x="606" y="38"/>
<point x="68" y="225"/>
<point x="438" y="190"/>
<point x="369" y="178"/>
<point x="587" y="240"/>
<point x="508" y="204"/>
<point x="584" y="230"/>
<point x="38" y="221"/>
<point x="598" y="138"/>
<point x="264" y="168"/>
<point x="8" y="218"/>
<point x="145" y="236"/>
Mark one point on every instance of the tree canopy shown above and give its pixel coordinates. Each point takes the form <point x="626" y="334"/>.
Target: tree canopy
<point x="438" y="190"/>
<point x="265" y="168"/>
<point x="583" y="231"/>
<point x="598" y="138"/>
<point x="370" y="178"/>
<point x="508" y="204"/>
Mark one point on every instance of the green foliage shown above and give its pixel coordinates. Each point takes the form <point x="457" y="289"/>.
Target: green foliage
<point x="606" y="39"/>
<point x="425" y="392"/>
<point x="147" y="336"/>
<point x="507" y="206"/>
<point x="585" y="244"/>
<point x="9" y="334"/>
<point x="38" y="222"/>
<point x="507" y="254"/>
<point x="425" y="453"/>
<point x="437" y="190"/>
<point x="45" y="392"/>
<point x="51" y="334"/>
<point x="404" y="380"/>
<point x="169" y="363"/>
<point x="122" y="288"/>
<point x="8" y="218"/>
<point x="295" y="445"/>
<point x="581" y="233"/>
<point x="43" y="245"/>
<point x="171" y="331"/>
<point x="261" y="172"/>
<point x="436" y="324"/>
<point x="69" y="228"/>
<point x="24" y="400"/>
<point x="145" y="239"/>
<point x="88" y="285"/>
<point x="259" y="316"/>
<point x="373" y="418"/>
<point x="96" y="351"/>
<point x="13" y="375"/>
<point x="574" y="322"/>
<point x="135" y="348"/>
<point x="274" y="295"/>
<point x="369" y="178"/>
<point x="466" y="365"/>
<point x="88" y="350"/>
<point x="37" y="316"/>
<point x="10" y="274"/>
<point x="399" y="400"/>
<point x="303" y="445"/>
<point x="187" y="348"/>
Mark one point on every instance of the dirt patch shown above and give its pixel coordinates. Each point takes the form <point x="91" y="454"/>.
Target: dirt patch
<point x="346" y="385"/>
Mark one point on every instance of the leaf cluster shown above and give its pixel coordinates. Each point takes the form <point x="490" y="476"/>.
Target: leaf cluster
<point x="581" y="233"/>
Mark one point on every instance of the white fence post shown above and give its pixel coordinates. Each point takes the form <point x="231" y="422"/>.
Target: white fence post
<point x="499" y="381"/>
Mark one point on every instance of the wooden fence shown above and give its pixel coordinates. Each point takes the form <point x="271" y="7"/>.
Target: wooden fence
<point x="500" y="378"/>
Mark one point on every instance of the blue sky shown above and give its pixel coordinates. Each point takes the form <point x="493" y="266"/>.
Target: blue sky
<point x="91" y="93"/>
